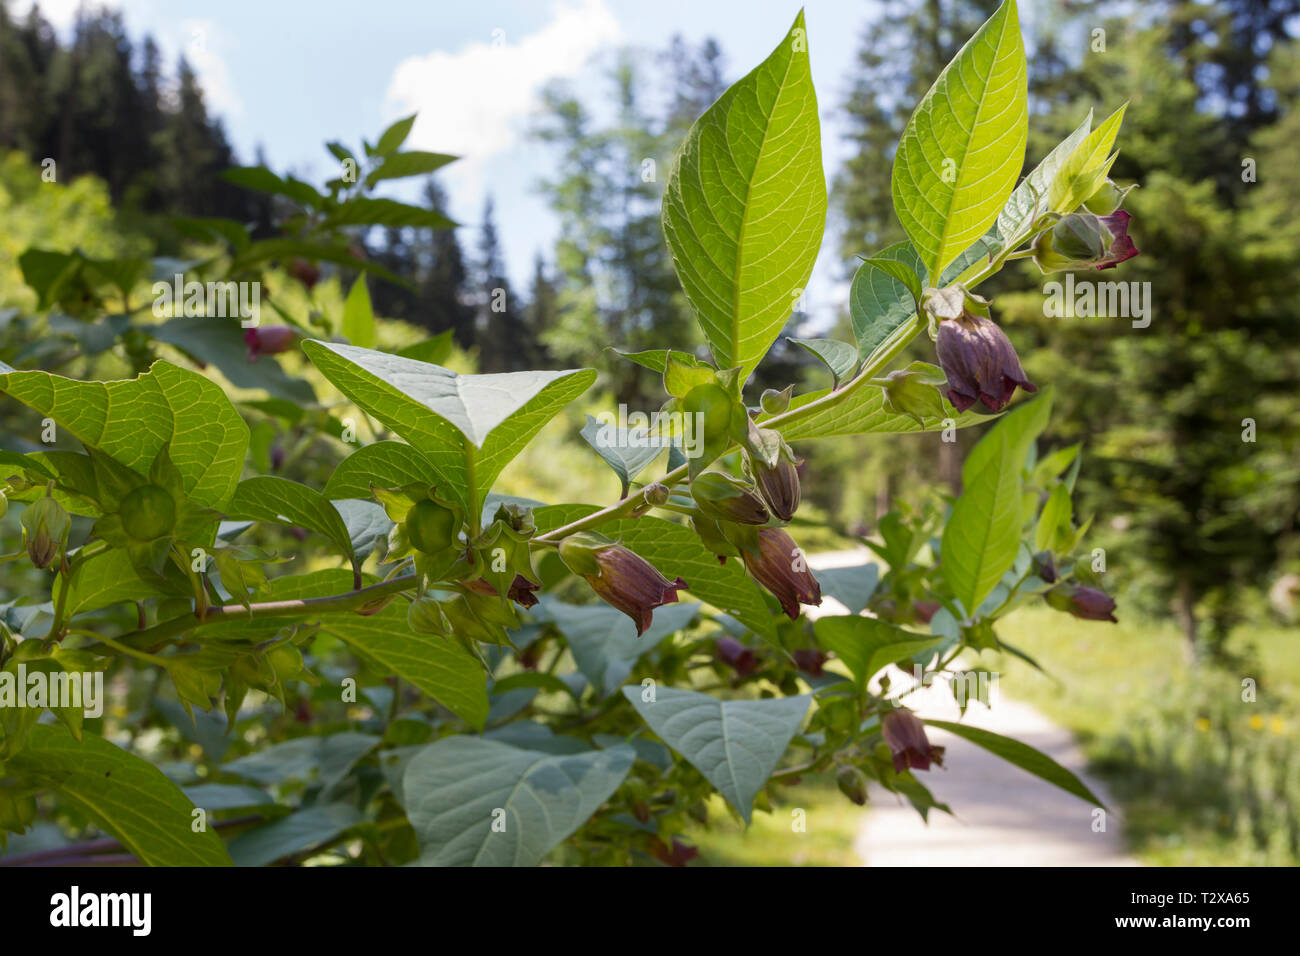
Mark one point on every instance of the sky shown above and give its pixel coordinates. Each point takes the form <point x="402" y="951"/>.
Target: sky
<point x="287" y="76"/>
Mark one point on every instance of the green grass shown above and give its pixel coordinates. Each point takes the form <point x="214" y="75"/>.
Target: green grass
<point x="831" y="824"/>
<point x="1202" y="777"/>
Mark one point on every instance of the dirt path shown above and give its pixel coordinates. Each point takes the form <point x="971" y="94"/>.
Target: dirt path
<point x="1003" y="816"/>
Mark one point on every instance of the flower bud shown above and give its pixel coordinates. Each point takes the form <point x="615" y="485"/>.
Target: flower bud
<point x="430" y="527"/>
<point x="1089" y="604"/>
<point x="1084" y="239"/>
<point x="853" y="784"/>
<point x="724" y="498"/>
<point x="773" y="402"/>
<point x="810" y="661"/>
<point x="735" y="654"/>
<point x="148" y="513"/>
<point x="1106" y="199"/>
<point x="778" y="483"/>
<point x="656" y="493"/>
<point x="47" y="527"/>
<point x="782" y="568"/>
<point x="913" y="391"/>
<point x="905" y="735"/>
<point x="1044" y="567"/>
<point x="980" y="363"/>
<point x="622" y="578"/>
<point x="268" y="340"/>
<point x="678" y="855"/>
<point x="925" y="610"/>
<point x="304" y="272"/>
<point x="425" y="616"/>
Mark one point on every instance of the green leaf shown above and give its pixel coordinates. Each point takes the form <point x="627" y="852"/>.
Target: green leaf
<point x="281" y="501"/>
<point x="859" y="410"/>
<point x="393" y="137"/>
<point x="262" y="180"/>
<point x="851" y="586"/>
<point x="438" y="666"/>
<point x="1055" y="530"/>
<point x="1035" y="189"/>
<point x="12" y="463"/>
<point x="103" y="581"/>
<point x="366" y="521"/>
<point x="385" y="464"/>
<point x="469" y="427"/>
<point x="627" y="451"/>
<point x="964" y="146"/>
<point x="604" y="641"/>
<point x="296" y="833"/>
<point x="840" y="357"/>
<point x="132" y="420"/>
<point x="1086" y="167"/>
<point x="454" y="789"/>
<point x="736" y="744"/>
<point x="745" y="205"/>
<point x="411" y="163"/>
<point x="125" y="795"/>
<point x="884" y="294"/>
<point x="329" y="758"/>
<point x="1023" y="756"/>
<point x="358" y="316"/>
<point x="214" y="797"/>
<point x="657" y="359"/>
<point x="371" y="211"/>
<point x="221" y="343"/>
<point x="982" y="536"/>
<point x="868" y="645"/>
<point x="676" y="550"/>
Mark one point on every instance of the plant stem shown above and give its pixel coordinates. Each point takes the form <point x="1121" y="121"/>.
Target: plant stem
<point x="152" y="638"/>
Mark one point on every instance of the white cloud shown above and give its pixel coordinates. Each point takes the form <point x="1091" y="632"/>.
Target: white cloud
<point x="475" y="103"/>
<point x="202" y="40"/>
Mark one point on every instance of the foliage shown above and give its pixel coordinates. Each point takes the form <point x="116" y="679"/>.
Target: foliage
<point x="431" y="679"/>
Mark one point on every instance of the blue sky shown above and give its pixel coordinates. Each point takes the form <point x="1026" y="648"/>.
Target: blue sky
<point x="287" y="76"/>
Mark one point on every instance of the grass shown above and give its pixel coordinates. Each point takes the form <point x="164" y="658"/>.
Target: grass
<point x="830" y="823"/>
<point x="1203" y="777"/>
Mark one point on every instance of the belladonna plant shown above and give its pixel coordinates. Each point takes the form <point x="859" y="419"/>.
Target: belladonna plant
<point x="428" y="606"/>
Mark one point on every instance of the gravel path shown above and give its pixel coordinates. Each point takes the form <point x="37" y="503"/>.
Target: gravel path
<point x="1003" y="816"/>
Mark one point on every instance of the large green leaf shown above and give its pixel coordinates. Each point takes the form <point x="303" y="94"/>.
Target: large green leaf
<point x="467" y="426"/>
<point x="982" y="536"/>
<point x="476" y="802"/>
<point x="736" y="744"/>
<point x="410" y="163"/>
<point x="840" y="357"/>
<point x="127" y="796"/>
<point x="868" y="645"/>
<point x="852" y="586"/>
<point x="745" y="205"/>
<point x="132" y="420"/>
<point x="281" y="501"/>
<point x="963" y="149"/>
<point x="859" y="409"/>
<point x="676" y="551"/>
<point x="1023" y="756"/>
<point x="385" y="464"/>
<point x="603" y="639"/>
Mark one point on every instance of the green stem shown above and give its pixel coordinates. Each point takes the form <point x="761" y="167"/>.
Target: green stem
<point x="152" y="638"/>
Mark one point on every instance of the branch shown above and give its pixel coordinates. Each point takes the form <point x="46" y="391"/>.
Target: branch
<point x="153" y="638"/>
